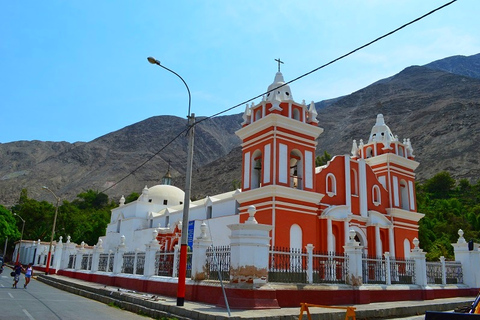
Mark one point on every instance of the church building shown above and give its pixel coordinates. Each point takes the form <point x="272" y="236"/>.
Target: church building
<point x="371" y="191"/>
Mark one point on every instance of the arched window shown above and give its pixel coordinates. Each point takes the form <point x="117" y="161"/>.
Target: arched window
<point x="296" y="170"/>
<point x="404" y="194"/>
<point x="369" y="152"/>
<point x="256" y="171"/>
<point x="376" y="195"/>
<point x="331" y="185"/>
<point x="258" y="114"/>
<point x="406" y="248"/>
<point x="400" y="151"/>
<point x="354" y="181"/>
<point x="296" y="114"/>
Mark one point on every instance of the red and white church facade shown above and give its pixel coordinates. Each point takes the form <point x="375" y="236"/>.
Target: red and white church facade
<point x="372" y="191"/>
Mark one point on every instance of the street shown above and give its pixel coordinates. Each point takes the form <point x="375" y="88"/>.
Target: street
<point x="42" y="302"/>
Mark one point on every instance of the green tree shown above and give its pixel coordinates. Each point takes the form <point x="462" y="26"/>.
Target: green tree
<point x="323" y="159"/>
<point x="132" y="197"/>
<point x="8" y="225"/>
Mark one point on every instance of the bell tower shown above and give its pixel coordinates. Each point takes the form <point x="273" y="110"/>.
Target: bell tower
<point x="278" y="156"/>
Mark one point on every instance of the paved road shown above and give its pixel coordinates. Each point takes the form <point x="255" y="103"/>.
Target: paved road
<point x="42" y="302"/>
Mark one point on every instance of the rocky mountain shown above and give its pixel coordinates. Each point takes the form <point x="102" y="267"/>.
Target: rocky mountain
<point x="437" y="106"/>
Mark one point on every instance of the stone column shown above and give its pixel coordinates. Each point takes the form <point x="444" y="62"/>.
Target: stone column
<point x="69" y="249"/>
<point x="353" y="252"/>
<point x="199" y="254"/>
<point x="118" y="261"/>
<point x="418" y="256"/>
<point x="250" y="243"/>
<point x="470" y="261"/>
<point x="151" y="249"/>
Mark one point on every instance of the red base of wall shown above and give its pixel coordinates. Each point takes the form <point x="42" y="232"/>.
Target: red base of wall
<point x="270" y="298"/>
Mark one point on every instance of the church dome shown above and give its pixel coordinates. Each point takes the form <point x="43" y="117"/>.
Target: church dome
<point x="166" y="195"/>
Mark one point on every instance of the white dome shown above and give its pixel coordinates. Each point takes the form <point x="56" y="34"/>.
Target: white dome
<point x="166" y="194"/>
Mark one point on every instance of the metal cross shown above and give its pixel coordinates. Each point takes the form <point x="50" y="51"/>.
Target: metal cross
<point x="279" y="62"/>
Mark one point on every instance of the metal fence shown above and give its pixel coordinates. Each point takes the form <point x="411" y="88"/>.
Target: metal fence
<point x="218" y="263"/>
<point x="105" y="262"/>
<point x="329" y="267"/>
<point x="86" y="261"/>
<point x="402" y="271"/>
<point x="453" y="272"/>
<point x="164" y="261"/>
<point x="373" y="269"/>
<point x="287" y="265"/>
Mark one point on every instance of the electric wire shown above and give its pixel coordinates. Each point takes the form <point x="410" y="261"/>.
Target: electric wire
<point x="286" y="83"/>
<point x="331" y="62"/>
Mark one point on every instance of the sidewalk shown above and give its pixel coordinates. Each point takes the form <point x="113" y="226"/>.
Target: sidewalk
<point x="160" y="306"/>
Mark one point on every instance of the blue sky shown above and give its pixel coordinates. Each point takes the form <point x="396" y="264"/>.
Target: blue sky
<point x="76" y="70"/>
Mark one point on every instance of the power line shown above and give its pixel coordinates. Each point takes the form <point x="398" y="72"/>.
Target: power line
<point x="286" y="83"/>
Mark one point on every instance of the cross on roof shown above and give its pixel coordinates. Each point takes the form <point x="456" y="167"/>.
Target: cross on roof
<point x="279" y="62"/>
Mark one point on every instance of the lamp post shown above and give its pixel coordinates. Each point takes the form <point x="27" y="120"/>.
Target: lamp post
<point x="21" y="237"/>
<point x="188" y="184"/>
<point x="47" y="268"/>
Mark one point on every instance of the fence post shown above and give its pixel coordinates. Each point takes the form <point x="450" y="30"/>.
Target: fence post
<point x="310" y="248"/>
<point x="418" y="256"/>
<point x="388" y="269"/>
<point x="249" y="243"/>
<point x="118" y="260"/>
<point x="176" y="251"/>
<point x="96" y="255"/>
<point x="470" y="261"/>
<point x="444" y="270"/>
<point x="353" y="252"/>
<point x="57" y="258"/>
<point x="199" y="254"/>
<point x="79" y="257"/>
<point x="151" y="249"/>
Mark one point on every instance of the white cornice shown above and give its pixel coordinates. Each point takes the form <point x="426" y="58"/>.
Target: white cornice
<point x="274" y="119"/>
<point x="279" y="191"/>
<point x="392" y="158"/>
<point x="405" y="214"/>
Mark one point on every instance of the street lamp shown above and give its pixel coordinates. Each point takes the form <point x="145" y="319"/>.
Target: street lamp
<point x="21" y="237"/>
<point x="188" y="185"/>
<point x="53" y="230"/>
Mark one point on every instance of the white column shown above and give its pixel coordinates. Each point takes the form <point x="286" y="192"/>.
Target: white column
<point x="151" y="249"/>
<point x="353" y="252"/>
<point x="249" y="243"/>
<point x="418" y="256"/>
<point x="329" y="235"/>
<point x="378" y="241"/>
<point x="57" y="258"/>
<point x="118" y="260"/>
<point x="388" y="273"/>
<point x="470" y="261"/>
<point x="199" y="254"/>
<point x="310" y="248"/>
<point x="391" y="240"/>
<point x="346" y="228"/>
<point x="444" y="270"/>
